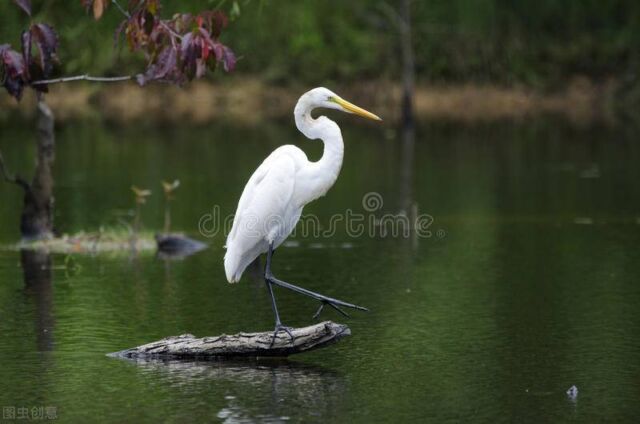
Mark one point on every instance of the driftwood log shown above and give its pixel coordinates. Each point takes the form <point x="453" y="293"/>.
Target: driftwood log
<point x="187" y="346"/>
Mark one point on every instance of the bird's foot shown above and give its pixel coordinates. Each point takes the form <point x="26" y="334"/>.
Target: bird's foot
<point x="326" y="302"/>
<point x="279" y="328"/>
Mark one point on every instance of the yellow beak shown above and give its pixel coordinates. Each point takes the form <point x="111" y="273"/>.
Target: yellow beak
<point x="351" y="108"/>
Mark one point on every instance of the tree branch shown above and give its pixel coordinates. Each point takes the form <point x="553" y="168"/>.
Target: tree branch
<point x="392" y="15"/>
<point x="11" y="178"/>
<point x="163" y="23"/>
<point x="83" y="78"/>
<point x="168" y="28"/>
<point x="121" y="9"/>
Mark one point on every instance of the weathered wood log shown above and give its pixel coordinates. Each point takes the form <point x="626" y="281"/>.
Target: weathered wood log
<point x="187" y="346"/>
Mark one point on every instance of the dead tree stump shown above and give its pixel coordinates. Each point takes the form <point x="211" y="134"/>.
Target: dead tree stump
<point x="187" y="346"/>
<point x="36" y="221"/>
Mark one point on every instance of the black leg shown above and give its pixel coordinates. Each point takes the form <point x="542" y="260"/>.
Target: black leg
<point x="279" y="327"/>
<point x="324" y="300"/>
<point x="273" y="304"/>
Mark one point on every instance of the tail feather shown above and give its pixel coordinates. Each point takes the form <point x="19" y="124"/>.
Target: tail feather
<point x="231" y="266"/>
<point x="236" y="260"/>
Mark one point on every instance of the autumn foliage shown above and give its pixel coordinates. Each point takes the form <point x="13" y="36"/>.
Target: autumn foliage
<point x="177" y="50"/>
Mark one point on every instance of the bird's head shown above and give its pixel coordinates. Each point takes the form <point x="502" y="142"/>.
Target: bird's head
<point x="325" y="98"/>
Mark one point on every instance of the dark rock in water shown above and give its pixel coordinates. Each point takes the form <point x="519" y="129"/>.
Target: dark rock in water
<point x="177" y="245"/>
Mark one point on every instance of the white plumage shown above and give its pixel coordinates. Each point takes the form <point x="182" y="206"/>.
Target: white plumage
<point x="273" y="199"/>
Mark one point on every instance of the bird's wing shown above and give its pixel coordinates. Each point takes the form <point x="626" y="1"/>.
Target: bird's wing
<point x="265" y="196"/>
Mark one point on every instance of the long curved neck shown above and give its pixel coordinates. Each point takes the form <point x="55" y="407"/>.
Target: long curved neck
<point x="323" y="173"/>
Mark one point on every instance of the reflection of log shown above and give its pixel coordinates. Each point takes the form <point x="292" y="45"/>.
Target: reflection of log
<point x="188" y="346"/>
<point x="310" y="388"/>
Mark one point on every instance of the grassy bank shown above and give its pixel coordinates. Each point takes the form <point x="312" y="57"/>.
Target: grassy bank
<point x="250" y="101"/>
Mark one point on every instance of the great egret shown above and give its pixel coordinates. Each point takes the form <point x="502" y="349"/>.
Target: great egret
<point x="272" y="200"/>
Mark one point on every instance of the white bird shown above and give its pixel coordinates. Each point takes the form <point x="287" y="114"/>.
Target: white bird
<point x="272" y="200"/>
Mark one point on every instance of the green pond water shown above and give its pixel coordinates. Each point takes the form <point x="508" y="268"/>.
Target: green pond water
<point x="526" y="283"/>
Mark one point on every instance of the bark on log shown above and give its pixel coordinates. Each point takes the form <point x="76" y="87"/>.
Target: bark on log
<point x="187" y="346"/>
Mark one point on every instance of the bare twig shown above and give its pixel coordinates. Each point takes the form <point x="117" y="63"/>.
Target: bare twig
<point x="168" y="28"/>
<point x="83" y="78"/>
<point x="14" y="179"/>
<point x="121" y="9"/>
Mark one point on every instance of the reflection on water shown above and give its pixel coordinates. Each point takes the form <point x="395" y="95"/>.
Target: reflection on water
<point x="530" y="290"/>
<point x="265" y="391"/>
<point x="36" y="268"/>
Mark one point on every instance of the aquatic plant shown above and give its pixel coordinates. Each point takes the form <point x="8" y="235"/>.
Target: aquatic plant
<point x="168" y="189"/>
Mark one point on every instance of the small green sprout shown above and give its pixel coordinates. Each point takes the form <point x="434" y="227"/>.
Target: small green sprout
<point x="168" y="188"/>
<point x="141" y="198"/>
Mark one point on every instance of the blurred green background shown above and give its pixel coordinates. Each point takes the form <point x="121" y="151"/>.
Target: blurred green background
<point x="540" y="43"/>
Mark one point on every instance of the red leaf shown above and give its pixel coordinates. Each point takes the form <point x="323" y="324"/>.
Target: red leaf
<point x="14" y="86"/>
<point x="219" y="22"/>
<point x="205" y="51"/>
<point x="205" y="42"/>
<point x="47" y="41"/>
<point x="45" y="35"/>
<point x="26" y="48"/>
<point x="187" y="48"/>
<point x="218" y="50"/>
<point x="216" y="21"/>
<point x="13" y="62"/>
<point x="201" y="68"/>
<point x="164" y="65"/>
<point x="228" y="59"/>
<point x="24" y="5"/>
<point x="14" y="70"/>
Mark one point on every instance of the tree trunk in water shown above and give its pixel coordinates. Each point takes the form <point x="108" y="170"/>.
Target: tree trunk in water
<point x="37" y="271"/>
<point x="36" y="221"/>
<point x="408" y="63"/>
<point x="406" y="170"/>
<point x="407" y="123"/>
